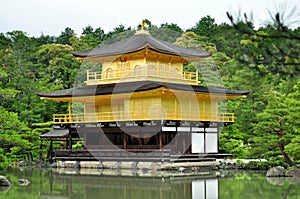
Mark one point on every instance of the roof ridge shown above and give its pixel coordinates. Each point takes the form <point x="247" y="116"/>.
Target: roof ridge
<point x="137" y="42"/>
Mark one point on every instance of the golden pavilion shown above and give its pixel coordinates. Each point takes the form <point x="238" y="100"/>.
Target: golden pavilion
<point x="140" y="105"/>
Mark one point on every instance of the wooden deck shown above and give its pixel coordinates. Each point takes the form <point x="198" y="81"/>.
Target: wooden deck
<point x="162" y="155"/>
<point x="142" y="155"/>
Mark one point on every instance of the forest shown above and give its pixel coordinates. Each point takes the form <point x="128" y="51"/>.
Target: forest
<point x="263" y="60"/>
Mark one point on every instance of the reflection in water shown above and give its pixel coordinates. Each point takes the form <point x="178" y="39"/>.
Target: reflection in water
<point x="91" y="186"/>
<point x="4" y="188"/>
<point x="205" y="189"/>
<point x="49" y="184"/>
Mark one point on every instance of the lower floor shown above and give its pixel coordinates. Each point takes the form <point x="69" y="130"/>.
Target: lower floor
<point x="153" y="140"/>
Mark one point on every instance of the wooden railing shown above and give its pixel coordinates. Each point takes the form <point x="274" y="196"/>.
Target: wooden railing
<point x="142" y="115"/>
<point x="144" y="71"/>
<point x="67" y="118"/>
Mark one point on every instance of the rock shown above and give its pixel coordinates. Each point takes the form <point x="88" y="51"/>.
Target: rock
<point x="293" y="173"/>
<point x="195" y="169"/>
<point x="4" y="181"/>
<point x="23" y="182"/>
<point x="276" y="181"/>
<point x="145" y="170"/>
<point x="22" y="163"/>
<point x="181" y="169"/>
<point x="278" y="171"/>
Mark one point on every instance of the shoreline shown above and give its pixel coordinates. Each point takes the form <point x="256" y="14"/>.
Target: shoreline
<point x="132" y="165"/>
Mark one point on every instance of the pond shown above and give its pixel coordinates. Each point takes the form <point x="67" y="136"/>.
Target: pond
<point x="84" y="184"/>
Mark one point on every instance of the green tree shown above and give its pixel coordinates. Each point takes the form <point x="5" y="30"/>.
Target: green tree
<point x="92" y="37"/>
<point x="45" y="39"/>
<point x="166" y="32"/>
<point x="57" y="64"/>
<point x="118" y="37"/>
<point x="205" y="27"/>
<point x="64" y="37"/>
<point x="89" y="39"/>
<point x="11" y="135"/>
<point x="267" y="63"/>
<point x="232" y="142"/>
<point x="119" y="33"/>
<point x="208" y="69"/>
<point x="192" y="40"/>
<point x="274" y="46"/>
<point x="277" y="126"/>
<point x="293" y="119"/>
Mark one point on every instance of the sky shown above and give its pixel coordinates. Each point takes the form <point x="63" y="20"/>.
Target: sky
<point x="51" y="17"/>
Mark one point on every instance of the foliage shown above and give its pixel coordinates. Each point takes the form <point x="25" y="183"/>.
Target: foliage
<point x="205" y="27"/>
<point x="264" y="61"/>
<point x="119" y="33"/>
<point x="12" y="134"/>
<point x="166" y="32"/>
<point x="256" y="186"/>
<point x="275" y="46"/>
<point x="64" y="37"/>
<point x="232" y="141"/>
<point x="90" y="38"/>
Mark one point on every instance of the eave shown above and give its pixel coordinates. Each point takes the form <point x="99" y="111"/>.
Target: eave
<point x="140" y="42"/>
<point x="141" y="88"/>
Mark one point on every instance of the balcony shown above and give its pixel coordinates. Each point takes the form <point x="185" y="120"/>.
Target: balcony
<point x="144" y="72"/>
<point x="142" y="115"/>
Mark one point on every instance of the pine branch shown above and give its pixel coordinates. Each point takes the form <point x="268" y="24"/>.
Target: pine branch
<point x="272" y="148"/>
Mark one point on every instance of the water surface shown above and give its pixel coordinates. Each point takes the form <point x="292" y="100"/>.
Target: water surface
<point x="117" y="185"/>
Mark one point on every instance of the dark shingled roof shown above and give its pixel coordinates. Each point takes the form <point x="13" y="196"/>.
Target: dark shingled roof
<point x="129" y="87"/>
<point x="56" y="133"/>
<point x="139" y="42"/>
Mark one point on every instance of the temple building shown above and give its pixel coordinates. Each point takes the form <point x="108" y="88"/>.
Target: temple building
<point x="140" y="105"/>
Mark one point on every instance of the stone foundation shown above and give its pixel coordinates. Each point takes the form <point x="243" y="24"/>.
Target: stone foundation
<point x="132" y="165"/>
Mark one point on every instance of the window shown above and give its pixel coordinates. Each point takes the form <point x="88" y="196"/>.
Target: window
<point x="109" y="73"/>
<point x="151" y="70"/>
<point x="138" y="70"/>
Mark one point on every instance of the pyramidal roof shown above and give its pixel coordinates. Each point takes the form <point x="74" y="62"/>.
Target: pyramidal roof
<point x="140" y="41"/>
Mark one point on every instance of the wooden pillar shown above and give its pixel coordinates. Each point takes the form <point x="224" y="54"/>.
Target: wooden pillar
<point x="204" y="131"/>
<point x="176" y="140"/>
<point x="175" y="107"/>
<point x="125" y="141"/>
<point x="218" y="137"/>
<point x="51" y="145"/>
<point x="67" y="143"/>
<point x="160" y="140"/>
<point x="188" y="140"/>
<point x="70" y="141"/>
<point x="183" y="138"/>
<point x="70" y="112"/>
